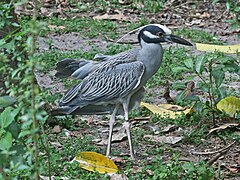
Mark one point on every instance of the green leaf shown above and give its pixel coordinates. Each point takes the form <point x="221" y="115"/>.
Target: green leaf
<point x="199" y="65"/>
<point x="219" y="76"/>
<point x="180" y="96"/>
<point x="192" y="98"/>
<point x="188" y="63"/>
<point x="14" y="129"/>
<point x="198" y="106"/>
<point x="204" y="87"/>
<point x="7" y="116"/>
<point x="230" y="105"/>
<point x="179" y="69"/>
<point x="6" y="141"/>
<point x="228" y="5"/>
<point x="24" y="133"/>
<point x="221" y="92"/>
<point x="215" y="1"/>
<point x="179" y="85"/>
<point x="6" y="101"/>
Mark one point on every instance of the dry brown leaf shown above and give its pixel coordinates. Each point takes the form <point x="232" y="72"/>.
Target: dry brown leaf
<point x="56" y="144"/>
<point x="52" y="178"/>
<point x="118" y="160"/>
<point x="117" y="137"/>
<point x="56" y="129"/>
<point x="118" y="177"/>
<point x="76" y="134"/>
<point x="168" y="128"/>
<point x="232" y="169"/>
<point x="117" y="17"/>
<point x="223" y="127"/>
<point x="163" y="139"/>
<point x="53" y="27"/>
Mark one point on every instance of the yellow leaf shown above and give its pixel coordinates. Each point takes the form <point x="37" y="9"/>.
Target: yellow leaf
<point x="230" y="105"/>
<point x="225" y="49"/>
<point x="93" y="161"/>
<point x="171" y="107"/>
<point x="163" y="110"/>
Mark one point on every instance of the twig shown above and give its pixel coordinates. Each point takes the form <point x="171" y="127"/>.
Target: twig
<point x="211" y="161"/>
<point x="140" y="118"/>
<point x="131" y="32"/>
<point x="214" y="152"/>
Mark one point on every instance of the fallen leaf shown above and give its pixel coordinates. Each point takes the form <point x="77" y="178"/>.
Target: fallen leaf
<point x="118" y="17"/>
<point x="118" y="177"/>
<point x="232" y="168"/>
<point x="165" y="112"/>
<point x="150" y="172"/>
<point x="168" y="128"/>
<point x="232" y="49"/>
<point x="52" y="178"/>
<point x="56" y="144"/>
<point x="76" y="134"/>
<point x="230" y="105"/>
<point x="223" y="127"/>
<point x="57" y="129"/>
<point x="117" y="159"/>
<point x="163" y="139"/>
<point x="53" y="27"/>
<point x="171" y="107"/>
<point x="93" y="161"/>
<point x="117" y="137"/>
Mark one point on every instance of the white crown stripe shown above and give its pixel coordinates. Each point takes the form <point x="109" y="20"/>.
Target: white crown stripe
<point x="164" y="28"/>
<point x="150" y="35"/>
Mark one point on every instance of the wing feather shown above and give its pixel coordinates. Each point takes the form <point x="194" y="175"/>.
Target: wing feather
<point x="109" y="81"/>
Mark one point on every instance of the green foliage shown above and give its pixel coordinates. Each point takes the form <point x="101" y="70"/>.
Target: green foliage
<point x="86" y="26"/>
<point x="233" y="6"/>
<point x="22" y="110"/>
<point x="198" y="36"/>
<point x="210" y="69"/>
<point x="174" y="169"/>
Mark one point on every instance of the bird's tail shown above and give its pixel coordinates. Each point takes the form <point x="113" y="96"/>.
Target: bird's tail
<point x="86" y="110"/>
<point x="77" y="68"/>
<point x="67" y="67"/>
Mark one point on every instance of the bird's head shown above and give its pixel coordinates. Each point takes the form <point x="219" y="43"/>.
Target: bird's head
<point x="157" y="33"/>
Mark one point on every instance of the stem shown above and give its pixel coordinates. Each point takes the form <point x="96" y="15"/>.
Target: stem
<point x="3" y="173"/>
<point x="46" y="148"/>
<point x="211" y="96"/>
<point x="35" y="123"/>
<point x="209" y="93"/>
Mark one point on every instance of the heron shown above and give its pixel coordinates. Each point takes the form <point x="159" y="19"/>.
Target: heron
<point x="115" y="84"/>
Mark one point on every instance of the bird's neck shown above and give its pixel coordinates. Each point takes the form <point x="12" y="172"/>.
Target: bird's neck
<point x="151" y="55"/>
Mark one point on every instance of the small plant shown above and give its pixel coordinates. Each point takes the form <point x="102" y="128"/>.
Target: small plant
<point x="209" y="70"/>
<point x="233" y="6"/>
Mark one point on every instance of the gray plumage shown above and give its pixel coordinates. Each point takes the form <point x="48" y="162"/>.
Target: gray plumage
<point x="115" y="80"/>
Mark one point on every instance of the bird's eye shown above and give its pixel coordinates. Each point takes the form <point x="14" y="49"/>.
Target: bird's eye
<point x="159" y="34"/>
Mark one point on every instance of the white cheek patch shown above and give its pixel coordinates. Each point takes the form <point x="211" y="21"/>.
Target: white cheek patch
<point x="150" y="35"/>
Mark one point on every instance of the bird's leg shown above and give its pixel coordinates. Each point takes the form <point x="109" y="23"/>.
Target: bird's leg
<point x="111" y="123"/>
<point x="127" y="127"/>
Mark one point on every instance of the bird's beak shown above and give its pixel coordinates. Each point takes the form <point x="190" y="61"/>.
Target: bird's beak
<point x="176" y="39"/>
